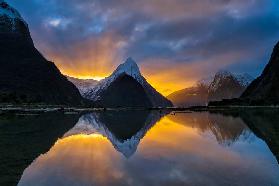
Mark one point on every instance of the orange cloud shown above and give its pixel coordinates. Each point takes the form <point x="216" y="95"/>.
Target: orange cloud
<point x="95" y="57"/>
<point x="168" y="76"/>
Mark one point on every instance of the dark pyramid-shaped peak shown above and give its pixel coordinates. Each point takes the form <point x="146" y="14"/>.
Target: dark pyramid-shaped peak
<point x="131" y="69"/>
<point x="125" y="91"/>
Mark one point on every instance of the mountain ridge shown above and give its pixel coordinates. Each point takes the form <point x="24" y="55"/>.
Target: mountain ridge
<point x="213" y="88"/>
<point x="266" y="86"/>
<point x="25" y="75"/>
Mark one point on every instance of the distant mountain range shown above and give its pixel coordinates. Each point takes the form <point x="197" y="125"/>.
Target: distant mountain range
<point x="193" y="96"/>
<point x="25" y="75"/>
<point x="224" y="85"/>
<point x="227" y="85"/>
<point x="83" y="85"/>
<point x="262" y="91"/>
<point x="125" y="87"/>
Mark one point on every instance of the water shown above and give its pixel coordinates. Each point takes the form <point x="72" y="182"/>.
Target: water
<point x="141" y="148"/>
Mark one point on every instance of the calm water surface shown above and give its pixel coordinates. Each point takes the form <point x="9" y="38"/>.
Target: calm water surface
<point x="153" y="148"/>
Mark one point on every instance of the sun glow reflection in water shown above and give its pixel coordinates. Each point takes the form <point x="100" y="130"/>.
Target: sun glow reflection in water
<point x="173" y="152"/>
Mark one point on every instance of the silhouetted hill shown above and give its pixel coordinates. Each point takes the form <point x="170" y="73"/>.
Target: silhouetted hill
<point x="265" y="88"/>
<point x="25" y="75"/>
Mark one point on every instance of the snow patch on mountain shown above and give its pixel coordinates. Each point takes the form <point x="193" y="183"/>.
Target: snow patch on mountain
<point x="244" y="79"/>
<point x="83" y="85"/>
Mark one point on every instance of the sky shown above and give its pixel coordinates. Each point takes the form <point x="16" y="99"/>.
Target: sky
<point x="174" y="42"/>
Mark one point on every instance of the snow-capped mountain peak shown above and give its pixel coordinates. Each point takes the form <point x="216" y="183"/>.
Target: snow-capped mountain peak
<point x="244" y="79"/>
<point x="129" y="67"/>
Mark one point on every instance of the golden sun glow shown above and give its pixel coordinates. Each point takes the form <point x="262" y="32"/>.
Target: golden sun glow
<point x="163" y="77"/>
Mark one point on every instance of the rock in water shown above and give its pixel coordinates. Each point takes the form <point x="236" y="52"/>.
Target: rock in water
<point x="25" y="75"/>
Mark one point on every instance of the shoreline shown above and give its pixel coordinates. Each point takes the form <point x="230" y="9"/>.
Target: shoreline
<point x="38" y="109"/>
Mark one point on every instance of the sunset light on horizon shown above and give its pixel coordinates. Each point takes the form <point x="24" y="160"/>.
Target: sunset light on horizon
<point x="175" y="43"/>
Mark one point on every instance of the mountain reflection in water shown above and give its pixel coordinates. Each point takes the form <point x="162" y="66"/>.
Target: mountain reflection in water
<point x="226" y="130"/>
<point x="124" y="129"/>
<point x="148" y="148"/>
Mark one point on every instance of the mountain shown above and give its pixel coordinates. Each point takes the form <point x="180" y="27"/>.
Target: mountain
<point x="224" y="85"/>
<point x="265" y="89"/>
<point x="126" y="75"/>
<point x="25" y="75"/>
<point x="262" y="91"/>
<point x="83" y="85"/>
<point x="116" y="94"/>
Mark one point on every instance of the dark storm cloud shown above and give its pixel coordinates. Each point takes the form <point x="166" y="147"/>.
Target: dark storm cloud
<point x="92" y="36"/>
